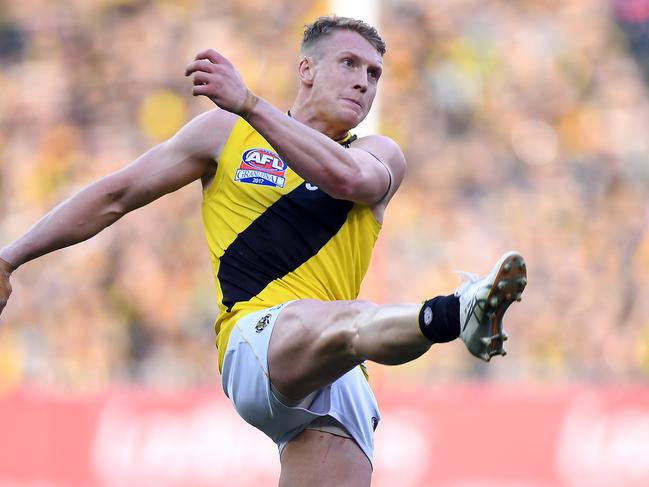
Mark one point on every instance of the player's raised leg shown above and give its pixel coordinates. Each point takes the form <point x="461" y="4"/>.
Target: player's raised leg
<point x="316" y="342"/>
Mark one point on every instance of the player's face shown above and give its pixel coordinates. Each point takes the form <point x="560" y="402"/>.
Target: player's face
<point x="347" y="71"/>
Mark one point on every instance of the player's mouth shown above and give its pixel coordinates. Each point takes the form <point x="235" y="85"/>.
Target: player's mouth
<point x="354" y="102"/>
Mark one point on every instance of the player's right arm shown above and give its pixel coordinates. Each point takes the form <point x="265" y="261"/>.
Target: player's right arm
<point x="189" y="155"/>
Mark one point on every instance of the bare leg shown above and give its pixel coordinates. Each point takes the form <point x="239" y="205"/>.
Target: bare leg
<point x="315" y="342"/>
<point x="340" y="462"/>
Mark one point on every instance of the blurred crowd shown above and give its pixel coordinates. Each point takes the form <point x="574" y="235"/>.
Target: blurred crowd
<point x="524" y="125"/>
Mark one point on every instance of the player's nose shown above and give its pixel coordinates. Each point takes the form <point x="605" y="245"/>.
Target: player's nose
<point x="361" y="84"/>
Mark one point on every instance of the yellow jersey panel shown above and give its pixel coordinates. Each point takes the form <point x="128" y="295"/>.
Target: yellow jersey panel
<point x="274" y="237"/>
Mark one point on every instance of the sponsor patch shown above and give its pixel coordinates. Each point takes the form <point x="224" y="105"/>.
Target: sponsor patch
<point x="262" y="167"/>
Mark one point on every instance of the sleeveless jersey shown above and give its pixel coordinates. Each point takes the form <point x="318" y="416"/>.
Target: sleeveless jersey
<point x="273" y="237"/>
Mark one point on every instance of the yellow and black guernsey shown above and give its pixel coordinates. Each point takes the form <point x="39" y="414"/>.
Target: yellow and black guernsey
<point x="273" y="237"/>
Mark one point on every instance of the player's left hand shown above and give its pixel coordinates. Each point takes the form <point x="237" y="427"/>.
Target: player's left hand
<point x="5" y="285"/>
<point x="216" y="78"/>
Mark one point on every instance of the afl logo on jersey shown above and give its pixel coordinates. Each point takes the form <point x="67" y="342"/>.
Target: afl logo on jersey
<point x="262" y="167"/>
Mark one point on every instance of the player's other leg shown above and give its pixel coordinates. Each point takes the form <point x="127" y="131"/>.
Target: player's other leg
<point x="319" y="458"/>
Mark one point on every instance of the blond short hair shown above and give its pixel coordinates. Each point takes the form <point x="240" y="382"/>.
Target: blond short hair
<point x="323" y="27"/>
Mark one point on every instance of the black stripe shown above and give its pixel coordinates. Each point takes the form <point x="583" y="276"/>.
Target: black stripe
<point x="280" y="240"/>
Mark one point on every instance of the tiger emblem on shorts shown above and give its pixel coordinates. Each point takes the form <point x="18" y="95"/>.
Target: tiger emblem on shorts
<point x="262" y="323"/>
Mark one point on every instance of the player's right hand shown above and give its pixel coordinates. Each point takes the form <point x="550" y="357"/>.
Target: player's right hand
<point x="5" y="285"/>
<point x="215" y="77"/>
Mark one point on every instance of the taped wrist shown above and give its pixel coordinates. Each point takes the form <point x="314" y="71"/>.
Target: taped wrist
<point x="439" y="318"/>
<point x="248" y="105"/>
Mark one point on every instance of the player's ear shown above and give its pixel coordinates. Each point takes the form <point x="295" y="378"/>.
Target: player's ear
<point x="305" y="70"/>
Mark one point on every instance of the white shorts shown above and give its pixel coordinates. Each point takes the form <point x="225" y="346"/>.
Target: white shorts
<point x="349" y="400"/>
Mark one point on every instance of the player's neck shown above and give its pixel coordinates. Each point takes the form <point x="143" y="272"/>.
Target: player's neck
<point x="316" y="122"/>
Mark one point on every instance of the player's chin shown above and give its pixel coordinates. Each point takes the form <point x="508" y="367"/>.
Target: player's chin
<point x="352" y="118"/>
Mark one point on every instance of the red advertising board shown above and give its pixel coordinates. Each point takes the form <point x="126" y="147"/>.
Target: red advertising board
<point x="460" y="436"/>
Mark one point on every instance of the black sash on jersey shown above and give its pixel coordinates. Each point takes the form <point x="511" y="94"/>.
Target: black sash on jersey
<point x="285" y="236"/>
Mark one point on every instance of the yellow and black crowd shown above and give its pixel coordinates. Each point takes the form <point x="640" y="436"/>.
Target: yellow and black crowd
<point x="524" y="125"/>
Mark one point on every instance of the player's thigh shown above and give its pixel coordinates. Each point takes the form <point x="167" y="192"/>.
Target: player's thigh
<point x="312" y="344"/>
<point x="324" y="460"/>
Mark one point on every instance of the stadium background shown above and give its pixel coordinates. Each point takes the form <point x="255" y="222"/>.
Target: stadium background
<point x="524" y="124"/>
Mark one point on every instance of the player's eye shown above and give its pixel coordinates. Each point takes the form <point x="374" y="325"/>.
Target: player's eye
<point x="348" y="62"/>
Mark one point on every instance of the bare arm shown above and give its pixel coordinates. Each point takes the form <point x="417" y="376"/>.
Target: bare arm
<point x="363" y="174"/>
<point x="165" y="168"/>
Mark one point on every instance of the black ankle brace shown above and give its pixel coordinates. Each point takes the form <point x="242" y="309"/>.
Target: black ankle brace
<point x="439" y="318"/>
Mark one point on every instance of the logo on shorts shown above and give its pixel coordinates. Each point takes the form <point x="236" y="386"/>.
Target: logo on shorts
<point x="375" y="422"/>
<point x="262" y="323"/>
<point x="261" y="167"/>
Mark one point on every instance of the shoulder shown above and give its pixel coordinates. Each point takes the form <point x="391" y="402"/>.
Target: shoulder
<point x="386" y="150"/>
<point x="217" y="118"/>
<point x="389" y="154"/>
<point x="206" y="133"/>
